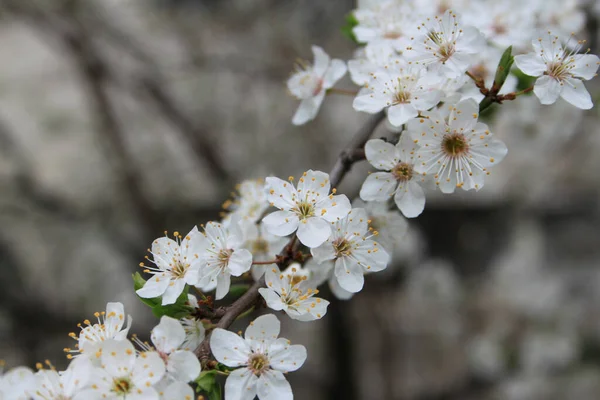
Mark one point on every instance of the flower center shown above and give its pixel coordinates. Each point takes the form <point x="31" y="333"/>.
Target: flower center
<point x="178" y="271"/>
<point x="402" y="172"/>
<point x="402" y="97"/>
<point x="121" y="385"/>
<point x="304" y="210"/>
<point x="455" y="144"/>
<point x="223" y="257"/>
<point x="558" y="70"/>
<point x="342" y="247"/>
<point x="258" y="363"/>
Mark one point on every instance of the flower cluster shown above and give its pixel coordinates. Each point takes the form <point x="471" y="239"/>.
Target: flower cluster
<point x="430" y="70"/>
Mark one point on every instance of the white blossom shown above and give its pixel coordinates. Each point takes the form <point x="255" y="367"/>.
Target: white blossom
<point x="310" y="209"/>
<point x="109" y="326"/>
<point x="66" y="385"/>
<point x="168" y="338"/>
<point x="560" y="71"/>
<point x="249" y="203"/>
<point x="262" y="357"/>
<point x="353" y="251"/>
<point x="445" y="46"/>
<point x="397" y="179"/>
<point x="457" y="151"/>
<point x="309" y="83"/>
<point x="177" y="263"/>
<point x="402" y="89"/>
<point x="222" y="256"/>
<point x="123" y="375"/>
<point x="291" y="292"/>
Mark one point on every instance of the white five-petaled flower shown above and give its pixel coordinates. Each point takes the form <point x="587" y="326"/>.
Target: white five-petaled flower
<point x="177" y="263"/>
<point x="309" y="83"/>
<point x="67" y="385"/>
<point x="399" y="180"/>
<point x="444" y="46"/>
<point x="222" y="256"/>
<point x="353" y="251"/>
<point x="109" y="326"/>
<point x="263" y="245"/>
<point x="290" y="291"/>
<point x="263" y="359"/>
<point x="459" y="150"/>
<point x="402" y="89"/>
<point x="560" y="71"/>
<point x="309" y="208"/>
<point x="249" y="203"/>
<point x="123" y="375"/>
<point x="168" y="338"/>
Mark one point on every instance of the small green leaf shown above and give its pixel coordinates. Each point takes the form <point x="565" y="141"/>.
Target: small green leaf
<point x="348" y="27"/>
<point x="207" y="383"/>
<point x="238" y="290"/>
<point x="503" y="70"/>
<point x="524" y="81"/>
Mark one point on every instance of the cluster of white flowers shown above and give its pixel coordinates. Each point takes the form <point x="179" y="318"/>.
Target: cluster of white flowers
<point x="431" y="70"/>
<point x="106" y="365"/>
<point x="428" y="64"/>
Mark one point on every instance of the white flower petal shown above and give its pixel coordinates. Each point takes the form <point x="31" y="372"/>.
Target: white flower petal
<point x="379" y="186"/>
<point x="323" y="252"/>
<point x="308" y="109"/>
<point x="178" y="391"/>
<point x="381" y="155"/>
<point x="228" y="348"/>
<point x="313" y="232"/>
<point x="272" y="385"/>
<point x="272" y="299"/>
<point x="574" y="92"/>
<point x="240" y="385"/>
<point x="240" y="262"/>
<point x="315" y="184"/>
<point x="174" y="289"/>
<point x="168" y="335"/>
<point x="154" y="286"/>
<point x="183" y="366"/>
<point x="337" y="69"/>
<point x="281" y="223"/>
<point x="223" y="284"/>
<point x="149" y="368"/>
<point x="401" y="113"/>
<point x="585" y="66"/>
<point x="321" y="60"/>
<point x="547" y="89"/>
<point x="530" y="64"/>
<point x="118" y="357"/>
<point x="263" y="329"/>
<point x="280" y="193"/>
<point x="349" y="275"/>
<point x="333" y="208"/>
<point x="285" y="357"/>
<point x="410" y="199"/>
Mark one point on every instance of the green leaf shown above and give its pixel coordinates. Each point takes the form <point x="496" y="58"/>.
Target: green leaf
<point x="237" y="290"/>
<point x="524" y="81"/>
<point x="503" y="70"/>
<point x="179" y="309"/>
<point x="347" y="28"/>
<point x="207" y="383"/>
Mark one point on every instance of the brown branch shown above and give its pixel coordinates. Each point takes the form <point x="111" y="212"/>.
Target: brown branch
<point x="349" y="156"/>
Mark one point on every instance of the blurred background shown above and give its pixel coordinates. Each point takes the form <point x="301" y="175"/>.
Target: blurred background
<point x="120" y="119"/>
